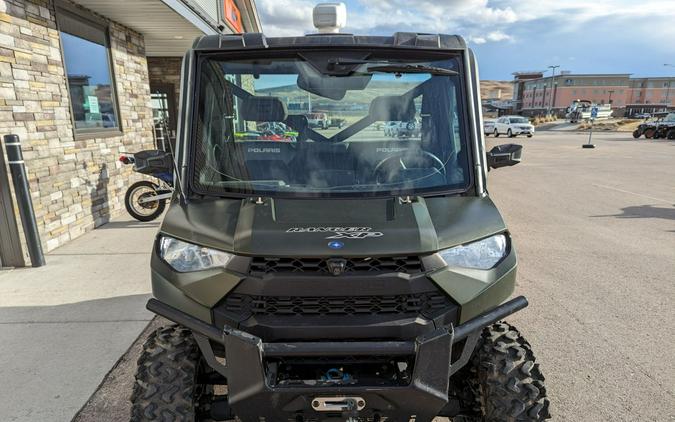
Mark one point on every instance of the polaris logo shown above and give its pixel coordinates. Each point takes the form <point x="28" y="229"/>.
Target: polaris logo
<point x="390" y="149"/>
<point x="262" y="150"/>
<point x="336" y="266"/>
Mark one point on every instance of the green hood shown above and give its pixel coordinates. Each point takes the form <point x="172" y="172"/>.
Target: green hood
<point x="352" y="227"/>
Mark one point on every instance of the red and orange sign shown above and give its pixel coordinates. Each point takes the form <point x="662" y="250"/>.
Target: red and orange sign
<point x="232" y="16"/>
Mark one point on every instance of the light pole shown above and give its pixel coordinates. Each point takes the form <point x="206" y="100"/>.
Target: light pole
<point x="553" y="68"/>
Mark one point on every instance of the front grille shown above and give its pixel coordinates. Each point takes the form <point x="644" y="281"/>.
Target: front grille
<point x="404" y="264"/>
<point x="410" y="304"/>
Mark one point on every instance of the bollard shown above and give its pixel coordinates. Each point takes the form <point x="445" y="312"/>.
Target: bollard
<point x="22" y="191"/>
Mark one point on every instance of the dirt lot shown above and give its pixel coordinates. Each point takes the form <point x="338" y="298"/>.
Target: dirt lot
<point x="595" y="233"/>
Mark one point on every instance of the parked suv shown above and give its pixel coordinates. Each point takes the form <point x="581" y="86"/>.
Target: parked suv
<point x="318" y="120"/>
<point x="513" y="126"/>
<point x="407" y="129"/>
<point x="391" y="128"/>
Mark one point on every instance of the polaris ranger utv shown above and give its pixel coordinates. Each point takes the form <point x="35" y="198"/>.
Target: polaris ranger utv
<point x="335" y="276"/>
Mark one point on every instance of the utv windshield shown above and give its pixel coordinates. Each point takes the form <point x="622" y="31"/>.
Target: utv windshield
<point x="313" y="125"/>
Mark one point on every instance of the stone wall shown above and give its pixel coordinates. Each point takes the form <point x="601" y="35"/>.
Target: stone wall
<point x="77" y="184"/>
<point x="166" y="70"/>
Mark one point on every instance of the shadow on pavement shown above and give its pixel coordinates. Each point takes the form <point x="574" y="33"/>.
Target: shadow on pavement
<point x="645" y="211"/>
<point x="129" y="224"/>
<point x="54" y="357"/>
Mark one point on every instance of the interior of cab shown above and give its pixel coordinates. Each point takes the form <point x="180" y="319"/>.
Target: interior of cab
<point x="249" y="141"/>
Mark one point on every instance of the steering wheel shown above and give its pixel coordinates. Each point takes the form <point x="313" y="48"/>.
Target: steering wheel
<point x="438" y="164"/>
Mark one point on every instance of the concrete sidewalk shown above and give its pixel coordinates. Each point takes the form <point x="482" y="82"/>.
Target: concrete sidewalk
<point x="64" y="326"/>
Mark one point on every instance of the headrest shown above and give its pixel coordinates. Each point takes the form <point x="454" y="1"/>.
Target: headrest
<point x="392" y="108"/>
<point x="297" y="122"/>
<point x="263" y="109"/>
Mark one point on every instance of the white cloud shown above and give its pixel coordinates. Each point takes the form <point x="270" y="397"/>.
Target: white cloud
<point x="498" y="36"/>
<point x="282" y="18"/>
<point x="480" y="21"/>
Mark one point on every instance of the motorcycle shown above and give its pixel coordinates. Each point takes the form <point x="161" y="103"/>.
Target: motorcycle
<point x="146" y="200"/>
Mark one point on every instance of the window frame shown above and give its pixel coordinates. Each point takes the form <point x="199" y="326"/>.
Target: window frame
<point x="91" y="20"/>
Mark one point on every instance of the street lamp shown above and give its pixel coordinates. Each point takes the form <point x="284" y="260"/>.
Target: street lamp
<point x="553" y="68"/>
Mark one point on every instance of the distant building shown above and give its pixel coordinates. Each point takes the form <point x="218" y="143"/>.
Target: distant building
<point x="496" y="97"/>
<point x="519" y="80"/>
<point x="537" y="94"/>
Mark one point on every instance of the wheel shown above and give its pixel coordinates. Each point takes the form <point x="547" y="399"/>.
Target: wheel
<point x="168" y="377"/>
<point x="637" y="133"/>
<point x="671" y="134"/>
<point x="507" y="383"/>
<point x="509" y="133"/>
<point x="486" y="134"/>
<point x="147" y="211"/>
<point x="496" y="133"/>
<point x="657" y="134"/>
<point x="649" y="132"/>
<point x="529" y="135"/>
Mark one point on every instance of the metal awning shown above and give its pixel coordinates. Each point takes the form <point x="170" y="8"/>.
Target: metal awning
<point x="168" y="26"/>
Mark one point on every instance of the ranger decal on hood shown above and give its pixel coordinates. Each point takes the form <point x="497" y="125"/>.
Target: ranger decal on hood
<point x="339" y="232"/>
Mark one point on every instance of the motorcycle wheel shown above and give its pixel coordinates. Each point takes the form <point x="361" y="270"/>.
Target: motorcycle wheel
<point x="147" y="211"/>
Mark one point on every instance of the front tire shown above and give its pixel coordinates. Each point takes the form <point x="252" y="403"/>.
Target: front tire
<point x="167" y="384"/>
<point x="496" y="133"/>
<point x="509" y="133"/>
<point x="637" y="133"/>
<point x="147" y="211"/>
<point x="506" y="380"/>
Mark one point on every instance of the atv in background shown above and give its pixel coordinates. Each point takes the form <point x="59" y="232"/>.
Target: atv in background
<point x="662" y="127"/>
<point x="337" y="122"/>
<point x="346" y="276"/>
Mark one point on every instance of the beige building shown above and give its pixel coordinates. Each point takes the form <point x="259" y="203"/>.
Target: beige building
<point x="626" y="94"/>
<point x="81" y="82"/>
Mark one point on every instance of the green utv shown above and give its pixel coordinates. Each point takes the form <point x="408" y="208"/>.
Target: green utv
<point x="340" y="275"/>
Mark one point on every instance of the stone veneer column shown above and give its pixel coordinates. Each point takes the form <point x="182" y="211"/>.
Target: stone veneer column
<point x="76" y="184"/>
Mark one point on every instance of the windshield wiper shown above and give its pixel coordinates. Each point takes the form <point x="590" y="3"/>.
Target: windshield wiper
<point x="276" y="183"/>
<point x="412" y="68"/>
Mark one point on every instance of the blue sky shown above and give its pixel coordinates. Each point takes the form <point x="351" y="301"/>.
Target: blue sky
<point x="596" y="36"/>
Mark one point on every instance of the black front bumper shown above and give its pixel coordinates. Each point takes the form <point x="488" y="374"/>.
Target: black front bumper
<point x="254" y="396"/>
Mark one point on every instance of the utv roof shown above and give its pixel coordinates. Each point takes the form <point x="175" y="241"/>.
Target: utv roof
<point x="399" y="40"/>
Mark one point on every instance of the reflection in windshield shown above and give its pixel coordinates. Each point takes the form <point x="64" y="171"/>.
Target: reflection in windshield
<point x="281" y="126"/>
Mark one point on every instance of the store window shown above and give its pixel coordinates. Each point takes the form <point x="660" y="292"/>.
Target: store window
<point x="86" y="54"/>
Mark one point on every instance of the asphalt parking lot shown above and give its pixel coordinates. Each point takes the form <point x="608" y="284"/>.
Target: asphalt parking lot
<point x="595" y="233"/>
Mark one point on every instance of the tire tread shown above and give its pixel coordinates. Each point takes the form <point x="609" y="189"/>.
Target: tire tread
<point x="509" y="382"/>
<point x="165" y="379"/>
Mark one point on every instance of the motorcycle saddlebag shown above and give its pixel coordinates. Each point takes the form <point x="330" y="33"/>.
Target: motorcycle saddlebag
<point x="153" y="161"/>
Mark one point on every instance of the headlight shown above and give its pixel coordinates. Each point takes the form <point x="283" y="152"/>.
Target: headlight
<point x="186" y="257"/>
<point x="483" y="254"/>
